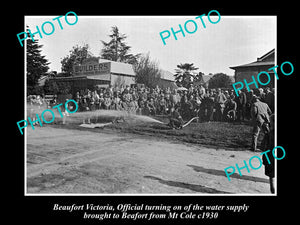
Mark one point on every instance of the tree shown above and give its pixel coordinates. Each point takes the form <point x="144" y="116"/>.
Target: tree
<point x="147" y="71"/>
<point x="37" y="65"/>
<point x="220" y="80"/>
<point x="51" y="87"/>
<point x="184" y="74"/>
<point x="76" y="56"/>
<point x="116" y="49"/>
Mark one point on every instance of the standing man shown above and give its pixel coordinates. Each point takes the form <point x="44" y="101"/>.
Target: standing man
<point x="210" y="99"/>
<point x="260" y="113"/>
<point x="161" y="104"/>
<point x="186" y="108"/>
<point x="270" y="99"/>
<point x="175" y="97"/>
<point x="241" y="105"/>
<point x="249" y="101"/>
<point x="220" y="104"/>
<point x="126" y="99"/>
<point x="150" y="106"/>
<point x="268" y="143"/>
<point x="230" y="110"/>
<point x="201" y="90"/>
<point x="107" y="101"/>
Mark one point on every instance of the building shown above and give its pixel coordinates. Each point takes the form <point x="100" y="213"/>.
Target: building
<point x="167" y="79"/>
<point x="263" y="63"/>
<point x="96" y="72"/>
<point x="204" y="81"/>
<point x="42" y="80"/>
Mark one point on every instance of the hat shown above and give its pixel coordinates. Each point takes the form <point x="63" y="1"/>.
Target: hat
<point x="255" y="97"/>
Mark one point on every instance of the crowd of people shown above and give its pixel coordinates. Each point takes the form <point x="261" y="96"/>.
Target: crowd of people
<point x="207" y="104"/>
<point x="182" y="104"/>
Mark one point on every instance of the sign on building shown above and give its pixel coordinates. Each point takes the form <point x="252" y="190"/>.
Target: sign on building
<point x="91" y="67"/>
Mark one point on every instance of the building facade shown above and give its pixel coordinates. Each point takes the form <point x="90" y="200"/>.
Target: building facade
<point x="263" y="63"/>
<point x="96" y="72"/>
<point x="167" y="80"/>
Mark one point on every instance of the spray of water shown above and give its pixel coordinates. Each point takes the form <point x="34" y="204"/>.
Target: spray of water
<point x="96" y="116"/>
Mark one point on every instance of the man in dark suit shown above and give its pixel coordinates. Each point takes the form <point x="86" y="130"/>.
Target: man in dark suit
<point x="241" y="101"/>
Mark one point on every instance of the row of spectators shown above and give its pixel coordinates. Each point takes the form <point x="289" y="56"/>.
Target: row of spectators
<point x="207" y="104"/>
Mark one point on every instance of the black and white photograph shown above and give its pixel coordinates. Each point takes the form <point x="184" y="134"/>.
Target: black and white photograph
<point x="150" y="114"/>
<point x="146" y="119"/>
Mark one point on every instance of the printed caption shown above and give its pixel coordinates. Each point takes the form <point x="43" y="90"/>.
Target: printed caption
<point x="150" y="212"/>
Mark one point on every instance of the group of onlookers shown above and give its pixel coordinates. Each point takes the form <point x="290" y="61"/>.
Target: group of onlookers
<point x="207" y="104"/>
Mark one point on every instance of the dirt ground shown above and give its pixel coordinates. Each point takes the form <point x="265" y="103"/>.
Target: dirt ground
<point x="81" y="161"/>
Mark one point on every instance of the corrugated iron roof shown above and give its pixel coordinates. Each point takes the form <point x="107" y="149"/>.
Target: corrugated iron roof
<point x="167" y="75"/>
<point x="254" y="64"/>
<point x="262" y="58"/>
<point x="261" y="61"/>
<point x="206" y="78"/>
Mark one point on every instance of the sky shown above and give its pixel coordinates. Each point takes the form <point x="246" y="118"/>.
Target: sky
<point x="233" y="41"/>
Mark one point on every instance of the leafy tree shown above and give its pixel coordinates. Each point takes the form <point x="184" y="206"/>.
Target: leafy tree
<point x="51" y="87"/>
<point x="116" y="49"/>
<point x="147" y="71"/>
<point x="76" y="56"/>
<point x="220" y="80"/>
<point x="64" y="88"/>
<point x="184" y="74"/>
<point x="37" y="65"/>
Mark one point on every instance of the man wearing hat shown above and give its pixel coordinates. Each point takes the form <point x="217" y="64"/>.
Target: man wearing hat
<point x="161" y="104"/>
<point x="249" y="101"/>
<point x="107" y="101"/>
<point x="220" y="104"/>
<point x="260" y="113"/>
<point x="230" y="109"/>
<point x="241" y="101"/>
<point x="186" y="108"/>
<point x="270" y="99"/>
<point x="126" y="99"/>
<point x="101" y="100"/>
<point x="150" y="105"/>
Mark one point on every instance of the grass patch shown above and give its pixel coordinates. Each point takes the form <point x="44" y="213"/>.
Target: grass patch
<point x="223" y="135"/>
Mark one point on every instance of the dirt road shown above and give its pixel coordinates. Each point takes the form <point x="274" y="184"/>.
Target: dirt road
<point x="84" y="162"/>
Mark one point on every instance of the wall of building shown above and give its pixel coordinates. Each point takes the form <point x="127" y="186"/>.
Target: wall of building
<point x="117" y="80"/>
<point x="167" y="83"/>
<point x="248" y="72"/>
